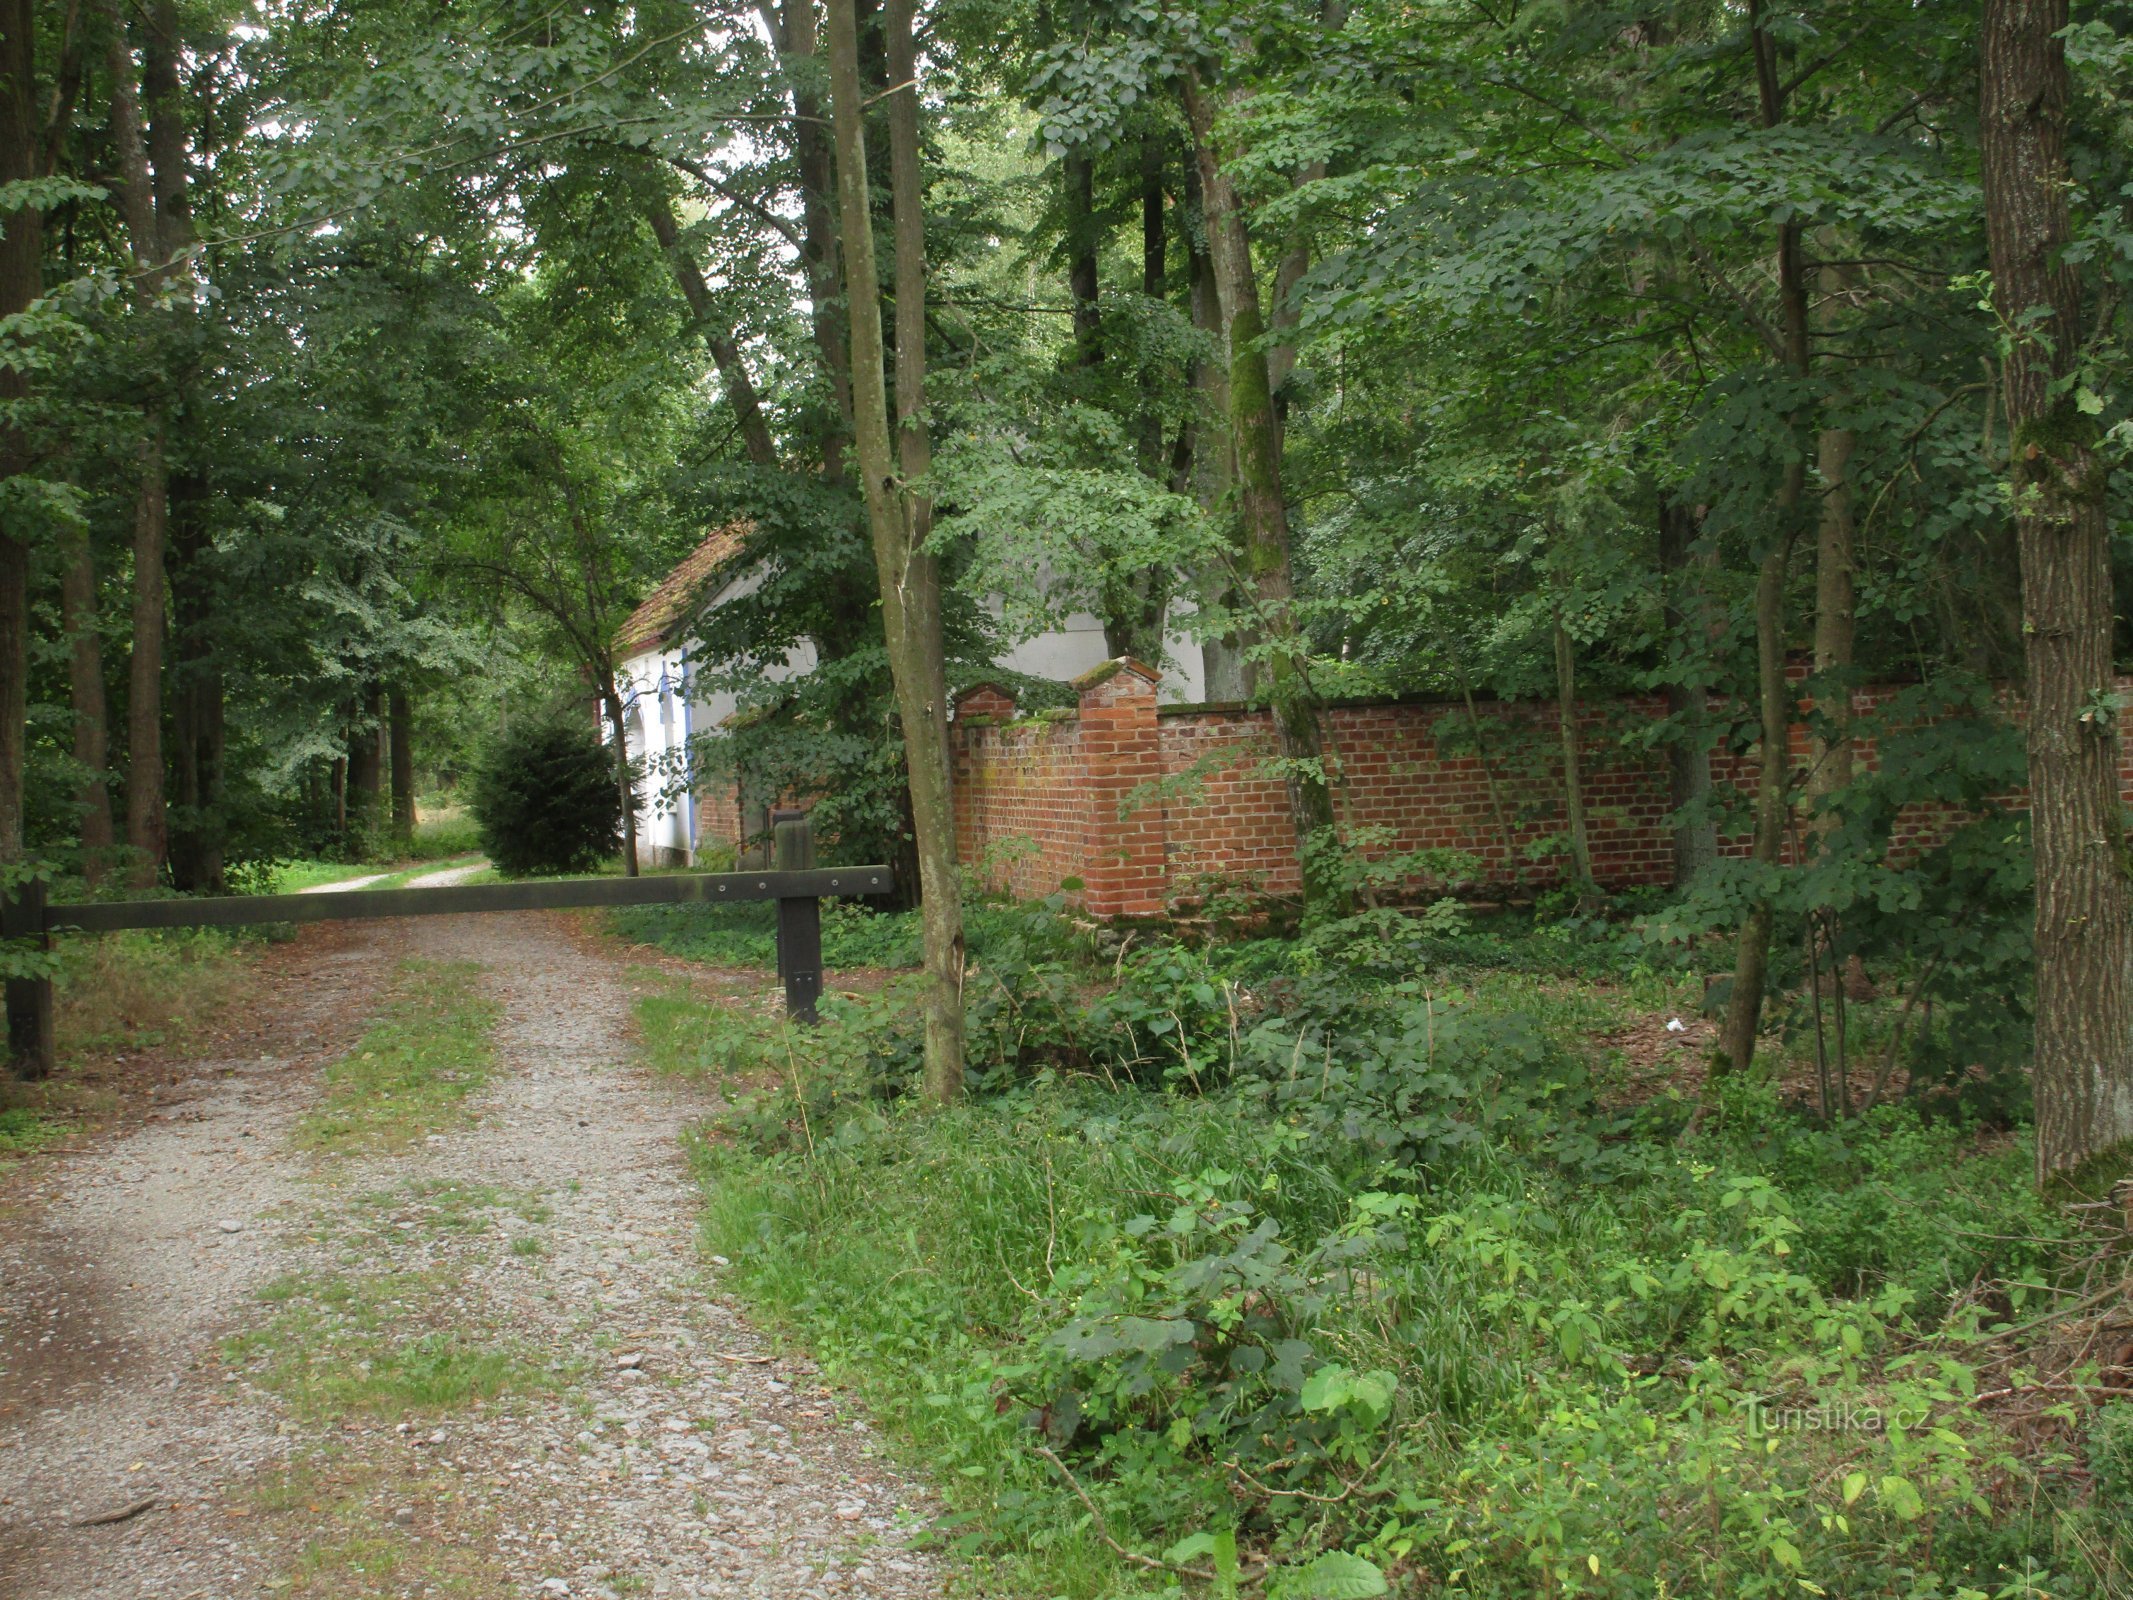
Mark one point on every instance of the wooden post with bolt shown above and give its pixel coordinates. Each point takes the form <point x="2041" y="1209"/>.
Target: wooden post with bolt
<point x="29" y="1000"/>
<point x="799" y="918"/>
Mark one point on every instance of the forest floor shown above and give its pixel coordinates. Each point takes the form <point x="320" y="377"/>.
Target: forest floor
<point x="398" y="1292"/>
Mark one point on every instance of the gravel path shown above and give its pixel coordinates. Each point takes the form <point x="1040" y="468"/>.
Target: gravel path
<point x="447" y="877"/>
<point x="663" y="1451"/>
<point x="339" y="884"/>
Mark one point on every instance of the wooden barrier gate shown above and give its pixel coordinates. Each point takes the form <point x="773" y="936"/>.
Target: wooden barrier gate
<point x="794" y="882"/>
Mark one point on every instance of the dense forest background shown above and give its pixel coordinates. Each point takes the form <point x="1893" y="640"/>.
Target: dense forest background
<point x="365" y="363"/>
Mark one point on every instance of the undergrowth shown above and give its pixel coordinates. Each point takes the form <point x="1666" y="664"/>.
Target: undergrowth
<point x="146" y="989"/>
<point x="1286" y="1275"/>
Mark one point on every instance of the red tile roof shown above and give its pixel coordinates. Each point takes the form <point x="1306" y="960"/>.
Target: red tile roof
<point x="673" y="605"/>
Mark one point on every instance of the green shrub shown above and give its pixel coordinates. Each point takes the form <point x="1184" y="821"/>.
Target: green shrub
<point x="547" y="801"/>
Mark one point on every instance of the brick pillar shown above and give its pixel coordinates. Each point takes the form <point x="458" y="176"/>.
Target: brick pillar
<point x="981" y="706"/>
<point x="1126" y="872"/>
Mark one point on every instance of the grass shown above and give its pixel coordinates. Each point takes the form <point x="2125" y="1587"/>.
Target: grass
<point x="445" y="834"/>
<point x="745" y="935"/>
<point x="445" y="831"/>
<point x="411" y="1073"/>
<point x="294" y="877"/>
<point x="123" y="993"/>
<point x="351" y="1548"/>
<point x="1524" y="1330"/>
<point x="444" y="1206"/>
<point x="339" y="1346"/>
<point x="23" y="1130"/>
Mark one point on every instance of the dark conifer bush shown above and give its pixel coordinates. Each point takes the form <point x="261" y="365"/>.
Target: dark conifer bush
<point x="547" y="801"/>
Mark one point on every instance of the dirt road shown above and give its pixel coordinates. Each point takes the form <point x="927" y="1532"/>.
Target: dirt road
<point x="592" y="1418"/>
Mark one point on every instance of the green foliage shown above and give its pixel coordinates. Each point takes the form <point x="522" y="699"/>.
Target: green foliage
<point x="546" y="801"/>
<point x="1360" y="1277"/>
<point x="446" y="833"/>
<point x="1509" y="1365"/>
<point x="2110" y="1456"/>
<point x="23" y="1130"/>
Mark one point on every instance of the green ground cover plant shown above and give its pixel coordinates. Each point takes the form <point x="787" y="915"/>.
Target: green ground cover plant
<point x="412" y="1071"/>
<point x="1249" y="1272"/>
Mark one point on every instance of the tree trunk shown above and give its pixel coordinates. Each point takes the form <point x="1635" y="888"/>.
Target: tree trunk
<point x="909" y="576"/>
<point x="1225" y="658"/>
<point x="1836" y="608"/>
<point x="1135" y="603"/>
<point x="400" y="716"/>
<point x="1289" y="273"/>
<point x="1751" y="962"/>
<point x="21" y="281"/>
<point x="196" y="697"/>
<point x="1155" y="273"/>
<point x="716" y="333"/>
<point x="1078" y="173"/>
<point x="147" y="824"/>
<point x="153" y="198"/>
<point x="1688" y="621"/>
<point x="1266" y="521"/>
<point x="2084" y="931"/>
<point x="795" y="27"/>
<point x="85" y="680"/>
<point x="365" y="770"/>
<point x="625" y="779"/>
<point x="1566" y="719"/>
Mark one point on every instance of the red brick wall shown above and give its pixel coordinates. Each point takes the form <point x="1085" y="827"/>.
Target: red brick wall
<point x="1022" y="795"/>
<point x="718" y="816"/>
<point x="1044" y="800"/>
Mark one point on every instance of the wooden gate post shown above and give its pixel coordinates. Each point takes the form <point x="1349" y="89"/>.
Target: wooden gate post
<point x="799" y="920"/>
<point x="29" y="1000"/>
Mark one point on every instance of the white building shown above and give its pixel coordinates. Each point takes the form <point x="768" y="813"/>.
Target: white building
<point x="664" y="707"/>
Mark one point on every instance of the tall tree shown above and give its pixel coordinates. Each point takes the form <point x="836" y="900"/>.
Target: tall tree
<point x="1751" y="964"/>
<point x="21" y="281"/>
<point x="2084" y="931"/>
<point x="154" y="201"/>
<point x="899" y="510"/>
<point x="1268" y="574"/>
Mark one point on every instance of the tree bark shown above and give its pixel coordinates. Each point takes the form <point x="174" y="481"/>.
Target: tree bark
<point x="898" y="517"/>
<point x="85" y="682"/>
<point x="716" y="333"/>
<point x="625" y="779"/>
<point x="1225" y="658"/>
<point x="21" y="282"/>
<point x="2084" y="929"/>
<point x="1751" y="961"/>
<point x="400" y="743"/>
<point x="197" y="725"/>
<point x="365" y="769"/>
<point x="1566" y="720"/>
<point x="147" y="822"/>
<point x="154" y="199"/>
<point x="1155" y="273"/>
<point x="793" y="28"/>
<point x="1078" y="174"/>
<point x="1829" y="771"/>
<point x="1265" y="519"/>
<point x="1688" y="621"/>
